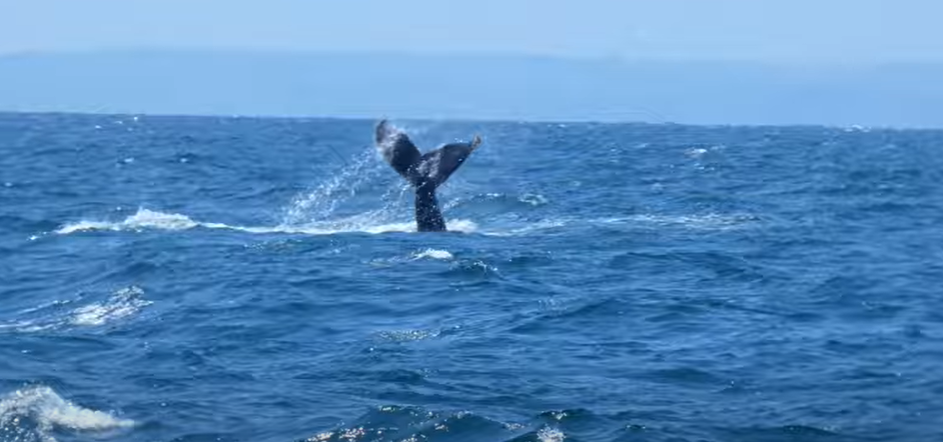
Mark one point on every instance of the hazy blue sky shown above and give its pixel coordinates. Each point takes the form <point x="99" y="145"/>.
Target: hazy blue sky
<point x="770" y="30"/>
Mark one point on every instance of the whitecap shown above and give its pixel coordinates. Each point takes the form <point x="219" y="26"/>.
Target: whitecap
<point x="534" y="199"/>
<point x="85" y="225"/>
<point x="433" y="254"/>
<point x="143" y="219"/>
<point x="123" y="303"/>
<point x="695" y="152"/>
<point x="27" y="326"/>
<point x="857" y="128"/>
<point x="360" y="224"/>
<point x="35" y="412"/>
<point x="368" y="222"/>
<point x="547" y="434"/>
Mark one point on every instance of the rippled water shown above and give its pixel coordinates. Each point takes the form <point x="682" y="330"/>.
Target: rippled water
<point x="236" y="279"/>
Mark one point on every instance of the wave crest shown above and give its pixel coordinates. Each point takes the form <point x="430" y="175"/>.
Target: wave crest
<point x="143" y="219"/>
<point x="370" y="222"/>
<point x="433" y="254"/>
<point x="34" y="413"/>
<point x="121" y="304"/>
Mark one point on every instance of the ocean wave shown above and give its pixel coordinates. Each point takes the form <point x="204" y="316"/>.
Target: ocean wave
<point x="534" y="199"/>
<point x="366" y="223"/>
<point x="145" y="219"/>
<point x="711" y="221"/>
<point x="433" y="254"/>
<point x="407" y="335"/>
<point x="547" y="434"/>
<point x="123" y="303"/>
<point x="142" y="219"/>
<point x="409" y="423"/>
<point x="377" y="222"/>
<point x="498" y="202"/>
<point x="404" y="423"/>
<point x="34" y="413"/>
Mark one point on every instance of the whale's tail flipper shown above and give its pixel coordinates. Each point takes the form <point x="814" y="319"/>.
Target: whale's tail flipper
<point x="398" y="150"/>
<point x="425" y="172"/>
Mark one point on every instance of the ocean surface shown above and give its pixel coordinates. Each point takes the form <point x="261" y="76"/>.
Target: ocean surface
<point x="242" y="279"/>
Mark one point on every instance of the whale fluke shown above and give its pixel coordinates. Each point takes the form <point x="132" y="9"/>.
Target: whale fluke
<point x="425" y="172"/>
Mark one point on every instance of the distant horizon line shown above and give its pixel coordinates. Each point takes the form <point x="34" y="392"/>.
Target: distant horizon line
<point x="474" y="120"/>
<point x="611" y="57"/>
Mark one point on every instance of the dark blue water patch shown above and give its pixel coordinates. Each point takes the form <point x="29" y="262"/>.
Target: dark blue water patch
<point x="789" y="433"/>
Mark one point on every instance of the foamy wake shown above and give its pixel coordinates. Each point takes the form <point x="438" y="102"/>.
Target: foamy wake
<point x="34" y="413"/>
<point x="146" y="219"/>
<point x="123" y="303"/>
<point x="373" y="223"/>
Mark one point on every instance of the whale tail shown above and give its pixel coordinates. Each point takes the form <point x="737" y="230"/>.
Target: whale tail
<point x="425" y="172"/>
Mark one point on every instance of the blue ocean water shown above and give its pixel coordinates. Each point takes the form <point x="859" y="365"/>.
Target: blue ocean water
<point x="241" y="279"/>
